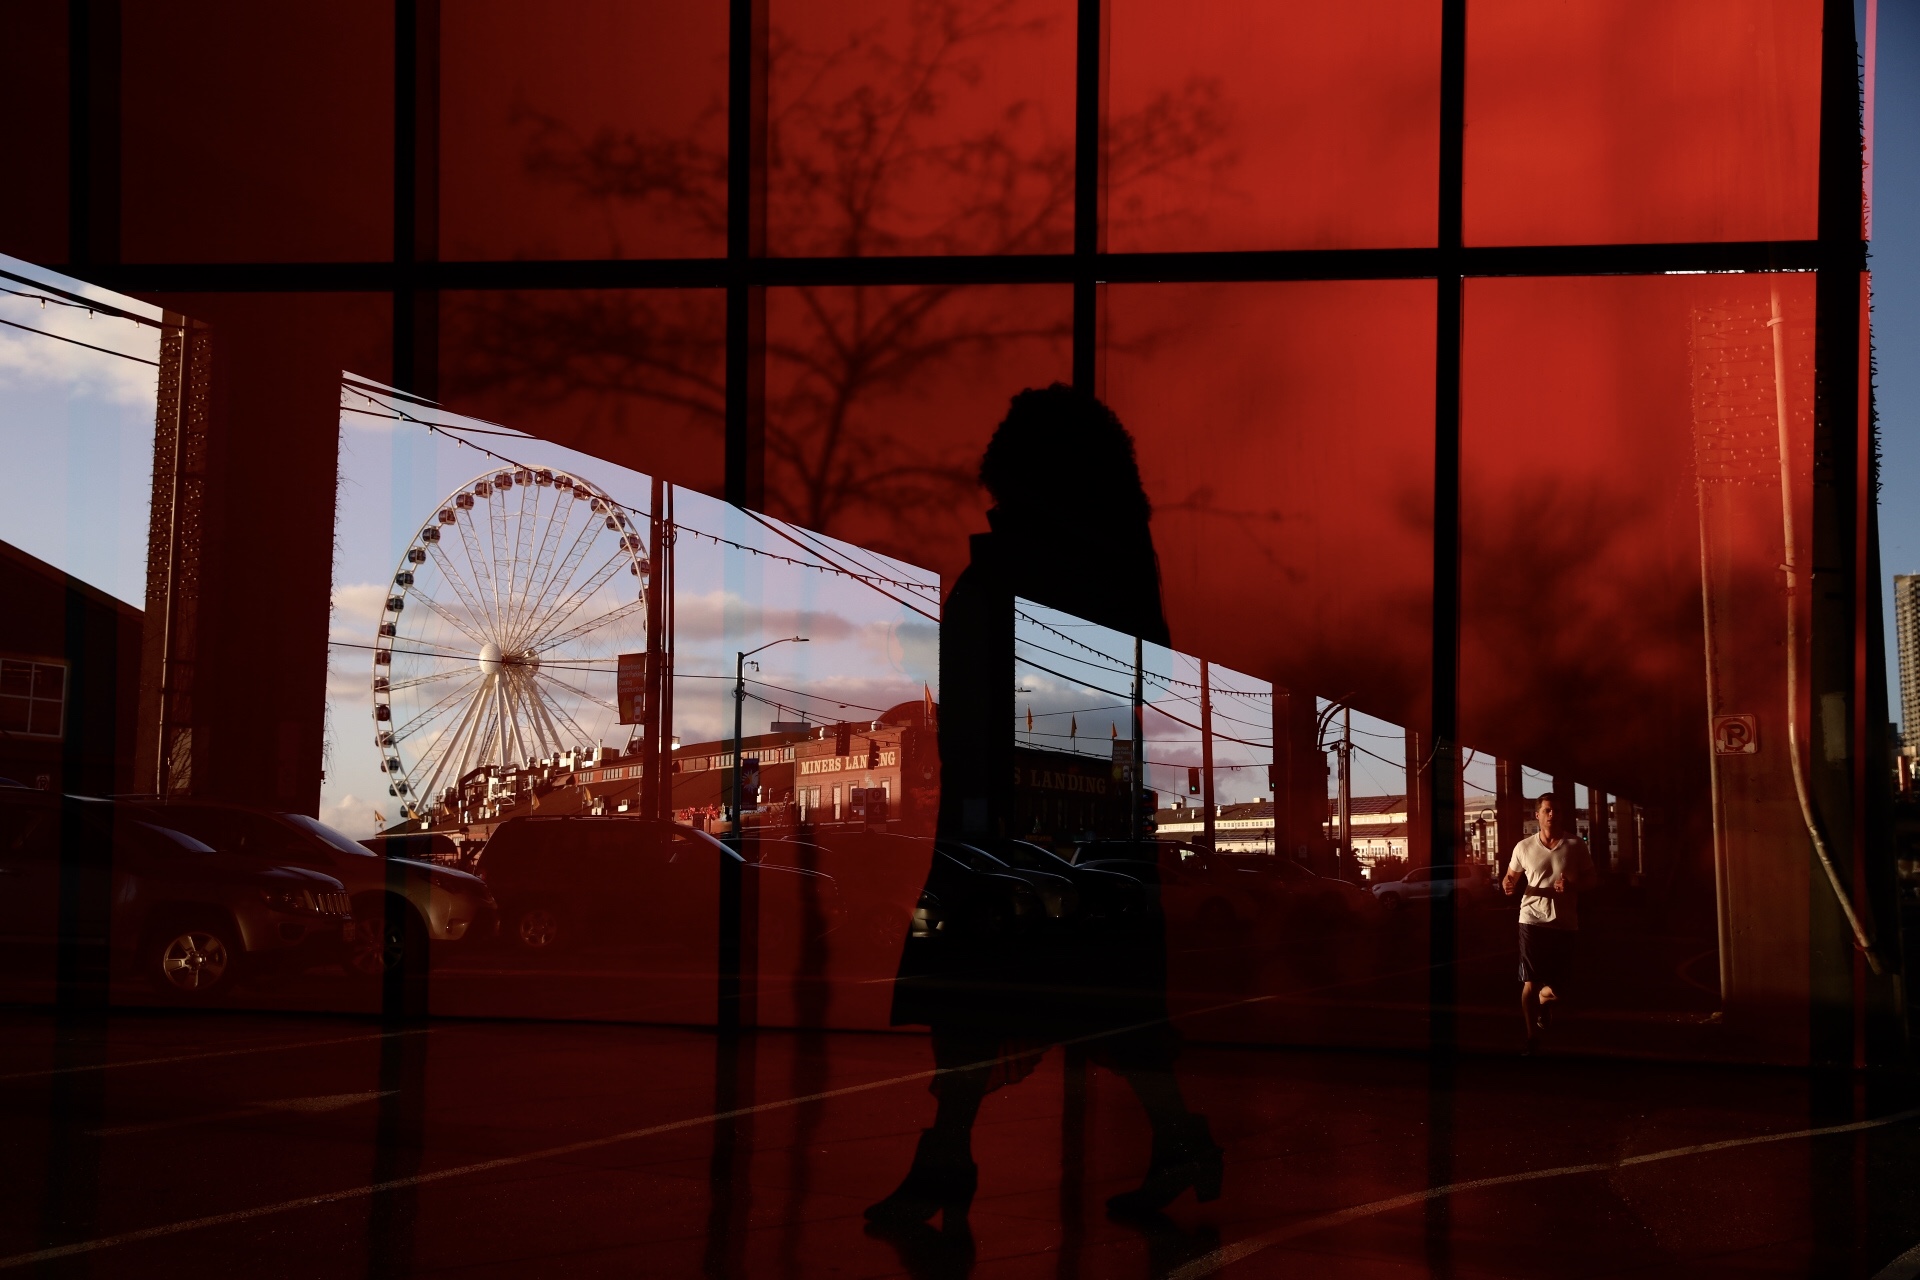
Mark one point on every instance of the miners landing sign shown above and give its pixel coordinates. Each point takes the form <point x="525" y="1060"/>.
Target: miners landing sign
<point x="857" y="763"/>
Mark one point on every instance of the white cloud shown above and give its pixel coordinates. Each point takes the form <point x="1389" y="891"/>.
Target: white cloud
<point x="356" y="609"/>
<point x="38" y="360"/>
<point x="352" y="815"/>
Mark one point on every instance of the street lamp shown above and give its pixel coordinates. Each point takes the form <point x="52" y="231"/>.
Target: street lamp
<point x="739" y="704"/>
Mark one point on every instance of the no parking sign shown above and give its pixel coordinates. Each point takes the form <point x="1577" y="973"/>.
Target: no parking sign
<point x="1736" y="736"/>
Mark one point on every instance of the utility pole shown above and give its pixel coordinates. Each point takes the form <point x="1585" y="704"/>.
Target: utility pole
<point x="664" y="738"/>
<point x="647" y="733"/>
<point x="1137" y="771"/>
<point x="1209" y="832"/>
<point x="1346" y="790"/>
<point x="739" y="706"/>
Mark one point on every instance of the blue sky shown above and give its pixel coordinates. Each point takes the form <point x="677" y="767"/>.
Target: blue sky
<point x="76" y="430"/>
<point x="1896" y="292"/>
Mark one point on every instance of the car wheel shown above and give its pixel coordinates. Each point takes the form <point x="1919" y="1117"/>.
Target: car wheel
<point x="1392" y="901"/>
<point x="194" y="963"/>
<point x="538" y="928"/>
<point x="388" y="937"/>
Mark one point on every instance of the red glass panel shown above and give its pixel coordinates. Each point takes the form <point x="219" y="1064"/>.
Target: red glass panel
<point x="230" y="154"/>
<point x="1272" y="126"/>
<point x="602" y="135"/>
<point x="34" y="224"/>
<point x="1285" y="434"/>
<point x="881" y="400"/>
<point x="942" y="127"/>
<point x="1596" y="121"/>
<point x="633" y="376"/>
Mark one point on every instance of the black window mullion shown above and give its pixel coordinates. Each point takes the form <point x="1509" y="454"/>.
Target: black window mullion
<point x="1088" y="71"/>
<point x="746" y="252"/>
<point x="1442" y="756"/>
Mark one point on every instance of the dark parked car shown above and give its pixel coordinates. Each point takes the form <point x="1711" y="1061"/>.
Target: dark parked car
<point x="401" y="904"/>
<point x="93" y="880"/>
<point x="1218" y="897"/>
<point x="1112" y="891"/>
<point x="636" y="882"/>
<point x="1468" y="882"/>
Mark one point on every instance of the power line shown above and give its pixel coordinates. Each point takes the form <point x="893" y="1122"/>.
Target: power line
<point x="109" y="351"/>
<point x="1123" y="665"/>
<point x="1162" y="711"/>
<point x="1147" y="676"/>
<point x="871" y="581"/>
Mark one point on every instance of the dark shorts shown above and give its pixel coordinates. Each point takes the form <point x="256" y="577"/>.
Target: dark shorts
<point x="1546" y="956"/>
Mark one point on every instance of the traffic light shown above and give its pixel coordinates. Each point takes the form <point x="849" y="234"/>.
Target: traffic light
<point x="842" y="739"/>
<point x="1149" y="802"/>
<point x="1273" y="777"/>
<point x="1193" y="781"/>
<point x="873" y="753"/>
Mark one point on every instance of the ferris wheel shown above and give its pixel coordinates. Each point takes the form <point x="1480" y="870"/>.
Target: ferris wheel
<point x="501" y="631"/>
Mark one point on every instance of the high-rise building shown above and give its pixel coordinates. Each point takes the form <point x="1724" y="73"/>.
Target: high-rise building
<point x="1906" y="623"/>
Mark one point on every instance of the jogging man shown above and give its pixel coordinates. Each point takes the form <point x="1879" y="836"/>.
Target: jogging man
<point x="1550" y="869"/>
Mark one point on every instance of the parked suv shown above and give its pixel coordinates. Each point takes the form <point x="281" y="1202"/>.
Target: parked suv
<point x="93" y="880"/>
<point x="401" y="904"/>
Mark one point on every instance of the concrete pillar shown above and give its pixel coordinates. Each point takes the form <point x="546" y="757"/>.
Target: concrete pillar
<point x="1510" y="810"/>
<point x="1599" y="843"/>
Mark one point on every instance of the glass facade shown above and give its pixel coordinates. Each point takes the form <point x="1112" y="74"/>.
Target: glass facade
<point x="1097" y="538"/>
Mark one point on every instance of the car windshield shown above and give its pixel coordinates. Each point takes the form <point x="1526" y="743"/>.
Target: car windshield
<point x="176" y="841"/>
<point x="328" y="834"/>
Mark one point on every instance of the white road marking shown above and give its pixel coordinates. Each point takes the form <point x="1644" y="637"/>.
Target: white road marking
<point x="212" y="1053"/>
<point x="311" y="1106"/>
<point x="588" y="1144"/>
<point x="1227" y="1255"/>
<point x="441" y="1175"/>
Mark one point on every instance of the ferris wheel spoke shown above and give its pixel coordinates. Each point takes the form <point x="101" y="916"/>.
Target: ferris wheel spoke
<point x="547" y="644"/>
<point x="523" y="553"/>
<point x="542" y="573"/>
<point x="416" y="681"/>
<point x="545" y="732"/>
<point x="449" y="652"/>
<point x="558" y="616"/>
<point x="449" y="748"/>
<point x="557" y="712"/>
<point x="513" y="728"/>
<point x="580" y="693"/>
<point x="432" y="713"/>
<point x="533" y="723"/>
<point x="447" y="615"/>
<point x="497" y="535"/>
<point x="482" y="582"/>
<point x="561" y="578"/>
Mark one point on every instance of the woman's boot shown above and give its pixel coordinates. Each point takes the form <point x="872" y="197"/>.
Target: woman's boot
<point x="1185" y="1156"/>
<point x="942" y="1180"/>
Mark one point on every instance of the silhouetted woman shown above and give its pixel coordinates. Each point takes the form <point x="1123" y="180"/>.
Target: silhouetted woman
<point x="1069" y="529"/>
